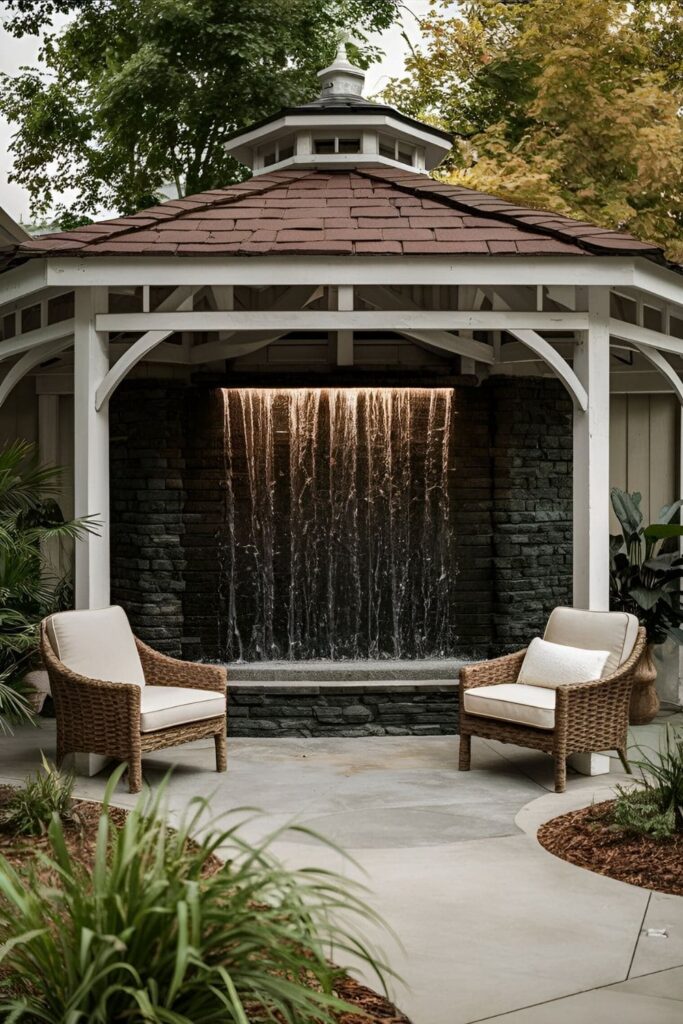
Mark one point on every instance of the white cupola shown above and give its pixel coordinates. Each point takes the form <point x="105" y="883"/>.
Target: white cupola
<point x="340" y="129"/>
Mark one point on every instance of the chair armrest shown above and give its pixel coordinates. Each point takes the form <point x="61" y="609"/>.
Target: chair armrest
<point x="601" y="699"/>
<point x="490" y="673"/>
<point x="160" y="670"/>
<point x="89" y="706"/>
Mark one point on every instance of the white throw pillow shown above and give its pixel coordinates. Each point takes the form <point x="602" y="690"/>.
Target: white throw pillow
<point x="551" y="665"/>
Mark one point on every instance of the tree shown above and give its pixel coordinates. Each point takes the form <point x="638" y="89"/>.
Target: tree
<point x="573" y="107"/>
<point x="133" y="94"/>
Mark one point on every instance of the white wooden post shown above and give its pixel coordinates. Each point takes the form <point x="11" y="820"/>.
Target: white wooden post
<point x="591" y="460"/>
<point x="91" y="455"/>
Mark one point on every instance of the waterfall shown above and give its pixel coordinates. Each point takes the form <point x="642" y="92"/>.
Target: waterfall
<point x="337" y="539"/>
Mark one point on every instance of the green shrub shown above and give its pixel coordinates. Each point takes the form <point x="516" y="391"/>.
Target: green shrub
<point x="30" y="810"/>
<point x="656" y="807"/>
<point x="640" y="812"/>
<point x="149" y="934"/>
<point x="29" y="587"/>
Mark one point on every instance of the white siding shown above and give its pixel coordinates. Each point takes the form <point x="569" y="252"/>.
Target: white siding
<point x="644" y="449"/>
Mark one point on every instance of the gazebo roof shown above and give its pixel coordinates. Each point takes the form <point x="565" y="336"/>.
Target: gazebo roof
<point x="365" y="211"/>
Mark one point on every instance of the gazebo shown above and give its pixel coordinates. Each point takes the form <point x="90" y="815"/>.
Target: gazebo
<point x="340" y="232"/>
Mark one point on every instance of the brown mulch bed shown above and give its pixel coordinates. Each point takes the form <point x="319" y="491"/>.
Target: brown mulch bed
<point x="81" y="839"/>
<point x="586" y="839"/>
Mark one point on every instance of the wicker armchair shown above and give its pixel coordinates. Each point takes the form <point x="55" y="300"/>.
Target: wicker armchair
<point x="588" y="717"/>
<point x="160" y="702"/>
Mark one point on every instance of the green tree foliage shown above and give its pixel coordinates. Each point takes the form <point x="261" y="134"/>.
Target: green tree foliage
<point x="133" y="94"/>
<point x="574" y="107"/>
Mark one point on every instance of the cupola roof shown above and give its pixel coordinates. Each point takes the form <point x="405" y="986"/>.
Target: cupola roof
<point x="339" y="129"/>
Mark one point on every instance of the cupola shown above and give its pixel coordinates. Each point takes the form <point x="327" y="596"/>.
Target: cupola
<point x="340" y="129"/>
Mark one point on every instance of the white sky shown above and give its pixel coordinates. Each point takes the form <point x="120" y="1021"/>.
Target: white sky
<point x="15" y="53"/>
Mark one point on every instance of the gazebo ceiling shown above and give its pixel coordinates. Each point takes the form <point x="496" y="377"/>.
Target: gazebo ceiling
<point x="365" y="211"/>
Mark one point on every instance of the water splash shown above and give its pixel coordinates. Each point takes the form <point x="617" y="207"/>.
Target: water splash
<point x="337" y="538"/>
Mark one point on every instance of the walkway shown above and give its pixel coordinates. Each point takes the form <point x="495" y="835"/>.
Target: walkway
<point x="493" y="927"/>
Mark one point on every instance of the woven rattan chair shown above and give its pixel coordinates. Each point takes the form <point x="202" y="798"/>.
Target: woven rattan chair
<point x="580" y="717"/>
<point x="117" y="697"/>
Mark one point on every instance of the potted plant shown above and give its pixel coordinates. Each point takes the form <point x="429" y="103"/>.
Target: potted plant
<point x="646" y="570"/>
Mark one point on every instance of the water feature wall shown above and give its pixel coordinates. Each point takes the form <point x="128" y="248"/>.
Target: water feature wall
<point x="337" y="539"/>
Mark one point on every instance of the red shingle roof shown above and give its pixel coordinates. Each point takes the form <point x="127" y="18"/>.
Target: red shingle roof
<point x="366" y="211"/>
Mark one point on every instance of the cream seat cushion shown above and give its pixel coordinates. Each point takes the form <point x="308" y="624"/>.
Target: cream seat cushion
<point x="615" y="632"/>
<point x="552" y="665"/>
<point x="513" y="702"/>
<point x="97" y="643"/>
<point x="164" y="706"/>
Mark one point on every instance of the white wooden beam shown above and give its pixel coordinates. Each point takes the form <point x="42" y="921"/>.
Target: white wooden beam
<point x="554" y="360"/>
<point x="345" y="337"/>
<point x="91" y="455"/>
<point x="591" y="460"/>
<point x="389" y="298"/>
<point x="34" y="357"/>
<point x="297" y="297"/>
<point x="643" y="336"/>
<point x="180" y="298"/>
<point x="21" y="343"/>
<point x="331" y="320"/>
<point x="335" y="270"/>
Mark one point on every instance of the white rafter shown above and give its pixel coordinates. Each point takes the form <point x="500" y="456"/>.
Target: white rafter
<point x="34" y="357"/>
<point x="20" y="343"/>
<point x="387" y="298"/>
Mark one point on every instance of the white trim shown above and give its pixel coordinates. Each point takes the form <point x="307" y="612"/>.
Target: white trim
<point x="34" y="357"/>
<point x="659" y="281"/>
<point x="21" y="281"/>
<point x="42" y="335"/>
<point x="554" y="360"/>
<point x="333" y="320"/>
<point x="481" y="270"/>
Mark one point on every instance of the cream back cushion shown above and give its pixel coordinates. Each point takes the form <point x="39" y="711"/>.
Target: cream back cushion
<point x="615" y="632"/>
<point x="99" y="644"/>
<point x="551" y="665"/>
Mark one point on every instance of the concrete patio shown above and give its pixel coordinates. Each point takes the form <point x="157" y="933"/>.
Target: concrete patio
<point x="492" y="926"/>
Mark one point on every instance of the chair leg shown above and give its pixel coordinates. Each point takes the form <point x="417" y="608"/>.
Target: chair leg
<point x="221" y="751"/>
<point x="465" y="752"/>
<point x="621" y="751"/>
<point x="560" y="772"/>
<point x="134" y="773"/>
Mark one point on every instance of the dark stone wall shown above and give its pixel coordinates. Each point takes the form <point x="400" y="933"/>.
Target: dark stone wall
<point x="531" y="437"/>
<point x="511" y="494"/>
<point x="147" y="453"/>
<point x="343" y="711"/>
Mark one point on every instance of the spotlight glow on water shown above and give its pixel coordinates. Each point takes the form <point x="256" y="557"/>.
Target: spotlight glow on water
<point x="337" y="540"/>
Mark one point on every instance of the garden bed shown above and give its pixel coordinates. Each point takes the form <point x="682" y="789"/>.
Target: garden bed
<point x="588" y="839"/>
<point x="80" y="834"/>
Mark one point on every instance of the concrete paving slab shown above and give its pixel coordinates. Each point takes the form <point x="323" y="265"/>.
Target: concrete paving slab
<point x="667" y="984"/>
<point x="655" y="953"/>
<point x="490" y="922"/>
<point x="605" y="1006"/>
